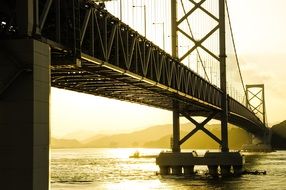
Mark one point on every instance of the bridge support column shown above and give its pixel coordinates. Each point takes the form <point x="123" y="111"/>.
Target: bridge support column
<point x="213" y="170"/>
<point x="24" y="114"/>
<point x="255" y="100"/>
<point x="225" y="170"/>
<point x="176" y="170"/>
<point x="222" y="56"/>
<point x="176" y="128"/>
<point x="164" y="170"/>
<point x="237" y="169"/>
<point x="188" y="170"/>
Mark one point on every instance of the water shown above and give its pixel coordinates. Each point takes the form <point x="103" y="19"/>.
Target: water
<point x="112" y="169"/>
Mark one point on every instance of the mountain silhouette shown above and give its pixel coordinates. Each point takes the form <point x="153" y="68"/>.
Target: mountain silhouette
<point x="278" y="140"/>
<point x="157" y="137"/>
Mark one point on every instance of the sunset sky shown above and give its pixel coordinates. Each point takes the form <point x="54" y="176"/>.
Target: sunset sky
<point x="260" y="35"/>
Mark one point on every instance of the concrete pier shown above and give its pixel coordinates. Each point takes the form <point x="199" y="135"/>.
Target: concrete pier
<point x="24" y="114"/>
<point x="188" y="170"/>
<point x="182" y="163"/>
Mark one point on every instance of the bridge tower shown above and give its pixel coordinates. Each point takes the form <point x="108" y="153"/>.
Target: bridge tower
<point x="177" y="162"/>
<point x="255" y="101"/>
<point x="24" y="100"/>
<point x="175" y="30"/>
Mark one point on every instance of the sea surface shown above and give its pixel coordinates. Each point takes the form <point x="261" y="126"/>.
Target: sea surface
<point x="112" y="169"/>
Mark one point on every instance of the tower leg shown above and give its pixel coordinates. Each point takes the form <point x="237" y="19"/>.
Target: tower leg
<point x="225" y="170"/>
<point x="238" y="169"/>
<point x="24" y="115"/>
<point x="176" y="128"/>
<point x="224" y="102"/>
<point x="188" y="170"/>
<point x="213" y="170"/>
<point x="164" y="170"/>
<point x="176" y="170"/>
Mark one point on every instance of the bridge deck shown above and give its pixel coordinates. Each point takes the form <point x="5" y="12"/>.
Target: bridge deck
<point x="103" y="79"/>
<point x="117" y="62"/>
<point x="95" y="77"/>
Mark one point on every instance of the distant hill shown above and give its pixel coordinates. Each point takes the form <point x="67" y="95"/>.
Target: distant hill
<point x="65" y="143"/>
<point x="158" y="137"/>
<point x="79" y="135"/>
<point x="237" y="137"/>
<point x="278" y="140"/>
<point x="134" y="139"/>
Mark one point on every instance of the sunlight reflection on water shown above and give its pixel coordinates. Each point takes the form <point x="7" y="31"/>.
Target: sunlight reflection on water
<point x="108" y="169"/>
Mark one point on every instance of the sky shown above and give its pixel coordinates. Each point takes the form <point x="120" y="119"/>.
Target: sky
<point x="259" y="28"/>
<point x="260" y="36"/>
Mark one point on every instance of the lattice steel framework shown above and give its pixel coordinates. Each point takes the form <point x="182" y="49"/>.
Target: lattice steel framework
<point x="197" y="27"/>
<point x="183" y="29"/>
<point x="255" y="96"/>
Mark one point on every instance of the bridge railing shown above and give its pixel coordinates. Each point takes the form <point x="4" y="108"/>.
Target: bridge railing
<point x="242" y="111"/>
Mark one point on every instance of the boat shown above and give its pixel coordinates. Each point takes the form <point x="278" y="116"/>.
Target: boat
<point x="137" y="154"/>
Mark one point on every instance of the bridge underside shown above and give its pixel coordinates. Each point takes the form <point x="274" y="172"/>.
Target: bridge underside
<point x="102" y="79"/>
<point x="110" y="59"/>
<point x="118" y="62"/>
<point x="95" y="77"/>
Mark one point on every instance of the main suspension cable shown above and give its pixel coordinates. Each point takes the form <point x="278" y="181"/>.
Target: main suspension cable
<point x="235" y="52"/>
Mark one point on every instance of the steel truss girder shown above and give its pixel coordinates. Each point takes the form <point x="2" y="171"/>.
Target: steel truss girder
<point x="143" y="58"/>
<point x="116" y="43"/>
<point x="100" y="35"/>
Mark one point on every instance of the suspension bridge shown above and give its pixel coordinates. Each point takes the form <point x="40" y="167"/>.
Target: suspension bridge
<point x="118" y="50"/>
